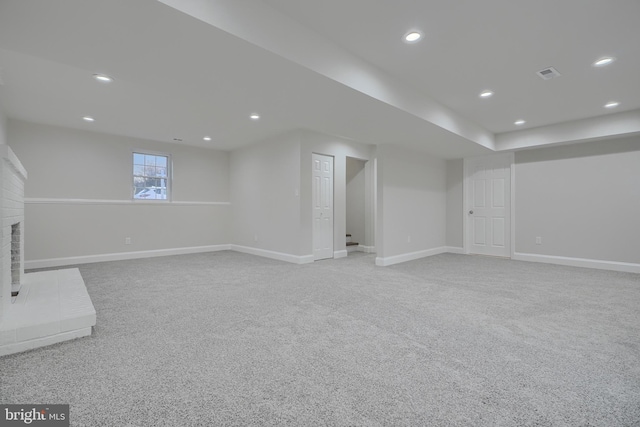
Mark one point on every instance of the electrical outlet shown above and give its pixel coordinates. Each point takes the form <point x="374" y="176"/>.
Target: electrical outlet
<point x="127" y="240"/>
<point x="538" y="240"/>
<point x="408" y="239"/>
<point x="255" y="237"/>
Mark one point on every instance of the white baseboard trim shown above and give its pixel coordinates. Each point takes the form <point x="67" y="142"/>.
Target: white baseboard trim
<point x="58" y="262"/>
<point x="362" y="248"/>
<point x="295" y="259"/>
<point x="396" y="259"/>
<point x="340" y="254"/>
<point x="454" y="250"/>
<point x="627" y="267"/>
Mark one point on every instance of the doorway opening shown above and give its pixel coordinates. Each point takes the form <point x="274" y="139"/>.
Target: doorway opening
<point x="356" y="205"/>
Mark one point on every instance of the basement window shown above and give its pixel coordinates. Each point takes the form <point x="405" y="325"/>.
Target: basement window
<point x="151" y="176"/>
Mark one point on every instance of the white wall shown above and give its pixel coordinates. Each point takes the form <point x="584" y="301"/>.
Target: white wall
<point x="271" y="194"/>
<point x="455" y="203"/>
<point x="339" y="149"/>
<point x="583" y="200"/>
<point x="355" y="200"/>
<point x="412" y="204"/>
<point x="265" y="195"/>
<point x="78" y="195"/>
<point x="79" y="207"/>
<point x="3" y="126"/>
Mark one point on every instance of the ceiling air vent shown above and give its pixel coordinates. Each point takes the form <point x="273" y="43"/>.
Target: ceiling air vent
<point x="548" y="73"/>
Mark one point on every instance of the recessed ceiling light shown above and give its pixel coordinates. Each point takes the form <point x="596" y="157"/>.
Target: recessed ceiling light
<point x="486" y="94"/>
<point x="254" y="116"/>
<point x="207" y="138"/>
<point x="612" y="104"/>
<point x="519" y="122"/>
<point x="88" y="119"/>
<point x="602" y="62"/>
<point x="102" y="78"/>
<point x="412" y="37"/>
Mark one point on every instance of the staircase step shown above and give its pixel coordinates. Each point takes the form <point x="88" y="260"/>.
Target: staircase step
<point x="352" y="243"/>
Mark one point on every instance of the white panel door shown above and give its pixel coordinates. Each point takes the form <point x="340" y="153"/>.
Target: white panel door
<point x="489" y="205"/>
<point x="322" y="206"/>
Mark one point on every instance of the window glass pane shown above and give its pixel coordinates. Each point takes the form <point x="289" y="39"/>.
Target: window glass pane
<point x="139" y="193"/>
<point x="138" y="159"/>
<point x="150" y="176"/>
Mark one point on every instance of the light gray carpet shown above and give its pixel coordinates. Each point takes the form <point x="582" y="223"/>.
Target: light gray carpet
<point x="230" y="339"/>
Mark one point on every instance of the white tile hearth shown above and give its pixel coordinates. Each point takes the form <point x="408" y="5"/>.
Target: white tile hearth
<point x="52" y="306"/>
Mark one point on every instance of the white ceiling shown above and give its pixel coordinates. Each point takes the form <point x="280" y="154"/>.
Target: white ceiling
<point x="333" y="66"/>
<point x="472" y="45"/>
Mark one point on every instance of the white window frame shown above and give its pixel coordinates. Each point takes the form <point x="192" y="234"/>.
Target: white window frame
<point x="169" y="177"/>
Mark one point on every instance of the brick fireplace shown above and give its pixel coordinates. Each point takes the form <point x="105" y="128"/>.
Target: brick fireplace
<point x="36" y="309"/>
<point x="14" y="176"/>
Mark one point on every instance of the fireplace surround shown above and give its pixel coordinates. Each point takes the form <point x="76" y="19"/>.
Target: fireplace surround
<point x="14" y="176"/>
<point x="36" y="309"/>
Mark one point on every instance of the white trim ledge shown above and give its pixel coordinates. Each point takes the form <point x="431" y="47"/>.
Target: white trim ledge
<point x="280" y="256"/>
<point x="48" y="201"/>
<point x="411" y="256"/>
<point x="626" y="267"/>
<point x="58" y="262"/>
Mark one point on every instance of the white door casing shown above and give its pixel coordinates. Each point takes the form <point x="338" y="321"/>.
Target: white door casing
<point x="488" y="205"/>
<point x="322" y="193"/>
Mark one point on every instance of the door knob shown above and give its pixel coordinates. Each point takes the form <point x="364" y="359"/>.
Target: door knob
<point x="470" y="212"/>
